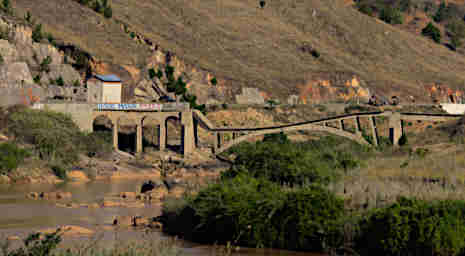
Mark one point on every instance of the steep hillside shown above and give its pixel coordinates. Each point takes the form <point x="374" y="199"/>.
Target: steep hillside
<point x="286" y="48"/>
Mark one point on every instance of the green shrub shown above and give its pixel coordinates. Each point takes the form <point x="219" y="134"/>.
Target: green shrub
<point x="132" y="35"/>
<point x="6" y="6"/>
<point x="35" y="245"/>
<point x="403" y="140"/>
<point x="50" y="38"/>
<point x="384" y="142"/>
<point x="159" y="74"/>
<point x="76" y="83"/>
<point x="456" y="32"/>
<point x="28" y="17"/>
<point x="355" y="108"/>
<point x="414" y="227"/>
<point x="11" y="157"/>
<point x="108" y="12"/>
<point x="442" y="13"/>
<point x="60" y="81"/>
<point x="315" y="53"/>
<point x="213" y="81"/>
<point x="257" y="213"/>
<point x="5" y="33"/>
<point x="37" y="35"/>
<point x="98" y="144"/>
<point x="421" y="152"/>
<point x="366" y="9"/>
<point x="55" y="136"/>
<point x="45" y="64"/>
<point x="37" y="79"/>
<point x="432" y="32"/>
<point x="97" y="6"/>
<point x="391" y="15"/>
<point x="152" y="73"/>
<point x="284" y="162"/>
<point x="59" y="171"/>
<point x="276" y="137"/>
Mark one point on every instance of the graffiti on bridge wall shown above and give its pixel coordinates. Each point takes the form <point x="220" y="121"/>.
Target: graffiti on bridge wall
<point x="135" y="106"/>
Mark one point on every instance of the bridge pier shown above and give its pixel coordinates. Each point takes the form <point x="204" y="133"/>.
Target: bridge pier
<point x="341" y="123"/>
<point x="216" y="143"/>
<point x="188" y="134"/>
<point x="139" y="148"/>
<point x="162" y="136"/>
<point x="115" y="134"/>
<point x="358" y="130"/>
<point x="395" y="128"/>
<point x="373" y="130"/>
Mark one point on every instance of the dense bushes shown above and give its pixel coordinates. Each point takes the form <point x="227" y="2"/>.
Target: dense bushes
<point x="271" y="197"/>
<point x="432" y="32"/>
<point x="258" y="213"/>
<point x="11" y="157"/>
<point x="102" y="7"/>
<point x="414" y="227"/>
<point x="34" y="245"/>
<point x="391" y="15"/>
<point x="54" y="136"/>
<point x="290" y="163"/>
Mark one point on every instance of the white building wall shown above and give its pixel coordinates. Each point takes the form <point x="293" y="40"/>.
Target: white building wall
<point x="111" y="93"/>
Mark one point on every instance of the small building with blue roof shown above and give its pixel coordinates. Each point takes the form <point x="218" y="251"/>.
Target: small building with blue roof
<point x="104" y="89"/>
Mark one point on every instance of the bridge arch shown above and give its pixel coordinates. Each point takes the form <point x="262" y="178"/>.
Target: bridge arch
<point x="127" y="133"/>
<point x="174" y="132"/>
<point x="102" y="122"/>
<point x="357" y="137"/>
<point x="151" y="131"/>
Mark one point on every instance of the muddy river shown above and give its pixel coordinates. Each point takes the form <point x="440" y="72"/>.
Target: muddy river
<point x="20" y="216"/>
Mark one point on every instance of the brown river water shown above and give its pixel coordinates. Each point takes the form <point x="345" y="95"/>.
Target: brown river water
<point x="20" y="216"/>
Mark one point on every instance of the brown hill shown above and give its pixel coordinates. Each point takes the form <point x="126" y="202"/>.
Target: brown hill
<point x="269" y="48"/>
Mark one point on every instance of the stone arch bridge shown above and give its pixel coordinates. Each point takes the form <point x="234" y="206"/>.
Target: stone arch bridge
<point x="85" y="114"/>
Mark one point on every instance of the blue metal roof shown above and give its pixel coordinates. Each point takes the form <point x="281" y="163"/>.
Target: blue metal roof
<point x="108" y="78"/>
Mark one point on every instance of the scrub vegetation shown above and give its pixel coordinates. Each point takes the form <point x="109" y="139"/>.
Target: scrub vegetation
<point x="47" y="136"/>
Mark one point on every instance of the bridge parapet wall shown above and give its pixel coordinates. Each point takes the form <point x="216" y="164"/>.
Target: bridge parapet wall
<point x="81" y="113"/>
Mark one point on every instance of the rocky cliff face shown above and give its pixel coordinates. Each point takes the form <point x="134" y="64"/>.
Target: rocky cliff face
<point x="31" y="71"/>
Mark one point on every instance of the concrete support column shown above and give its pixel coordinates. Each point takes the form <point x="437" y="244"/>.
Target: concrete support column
<point x="139" y="148"/>
<point x="341" y="122"/>
<point x="216" y="141"/>
<point x="115" y="135"/>
<point x="234" y="135"/>
<point x="221" y="139"/>
<point x="395" y="128"/>
<point x="358" y="130"/>
<point x="373" y="130"/>
<point x="162" y="135"/>
<point x="188" y="140"/>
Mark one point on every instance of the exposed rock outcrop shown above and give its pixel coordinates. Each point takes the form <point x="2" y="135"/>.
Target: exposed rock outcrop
<point x="15" y="73"/>
<point x="24" y="72"/>
<point x="250" y="96"/>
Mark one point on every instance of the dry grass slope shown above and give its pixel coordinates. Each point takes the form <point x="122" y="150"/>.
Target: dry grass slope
<point x="249" y="46"/>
